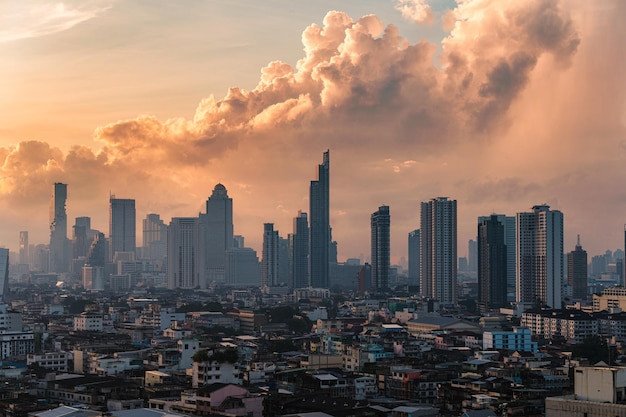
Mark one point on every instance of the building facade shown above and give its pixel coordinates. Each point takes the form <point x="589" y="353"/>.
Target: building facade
<point x="380" y="246"/>
<point x="219" y="232"/>
<point x="438" y="278"/>
<point x="122" y="226"/>
<point x="59" y="244"/>
<point x="154" y="237"/>
<point x="577" y="272"/>
<point x="185" y="253"/>
<point x="299" y="252"/>
<point x="270" y="267"/>
<point x="414" y="257"/>
<point x="319" y="232"/>
<point x="492" y="267"/>
<point x="540" y="256"/>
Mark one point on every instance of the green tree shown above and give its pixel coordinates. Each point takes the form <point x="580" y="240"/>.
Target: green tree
<point x="594" y="348"/>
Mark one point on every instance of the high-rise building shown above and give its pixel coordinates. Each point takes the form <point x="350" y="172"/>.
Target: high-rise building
<point x="492" y="267"/>
<point x="415" y="241"/>
<point x="540" y="256"/>
<point x="577" y="271"/>
<point x="299" y="252"/>
<point x="472" y="255"/>
<point x="319" y="232"/>
<point x="270" y="266"/>
<point x="219" y="229"/>
<point x="4" y="272"/>
<point x="509" y="240"/>
<point x="380" y="224"/>
<point x="154" y="237"/>
<point x="24" y="249"/>
<point x="59" y="252"/>
<point x="122" y="226"/>
<point x="82" y="237"/>
<point x="438" y="279"/>
<point x="242" y="267"/>
<point x="185" y="253"/>
<point x="96" y="255"/>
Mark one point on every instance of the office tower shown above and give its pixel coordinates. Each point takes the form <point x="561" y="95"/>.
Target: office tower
<point x="414" y="257"/>
<point x="577" y="271"/>
<point x="270" y="262"/>
<point x="122" y="227"/>
<point x="380" y="223"/>
<point x="93" y="278"/>
<point x="509" y="240"/>
<point x="96" y="255"/>
<point x="242" y="267"/>
<point x="185" y="253"/>
<point x="492" y="268"/>
<point x="319" y="232"/>
<point x="472" y="255"/>
<point x="82" y="237"/>
<point x="438" y="279"/>
<point x="23" y="248"/>
<point x="154" y="237"/>
<point x="59" y="254"/>
<point x="238" y="241"/>
<point x="4" y="272"/>
<point x="540" y="256"/>
<point x="219" y="229"/>
<point x="299" y="253"/>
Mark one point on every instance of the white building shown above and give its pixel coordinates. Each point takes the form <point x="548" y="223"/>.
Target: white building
<point x="14" y="343"/>
<point x="540" y="256"/>
<point x="88" y="322"/>
<point x="214" y="371"/>
<point x="54" y="361"/>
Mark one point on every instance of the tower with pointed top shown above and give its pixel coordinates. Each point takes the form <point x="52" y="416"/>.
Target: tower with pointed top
<point x="219" y="232"/>
<point x="319" y="231"/>
<point x="577" y="271"/>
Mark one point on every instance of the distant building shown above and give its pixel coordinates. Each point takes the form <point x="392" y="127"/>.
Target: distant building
<point x="219" y="232"/>
<point x="270" y="262"/>
<point x="59" y="244"/>
<point x="122" y="226"/>
<point x="540" y="256"/>
<point x="577" y="272"/>
<point x="438" y="278"/>
<point x="154" y="237"/>
<point x="4" y="272"/>
<point x="414" y="257"/>
<point x="472" y="255"/>
<point x="520" y="339"/>
<point x="492" y="268"/>
<point x="299" y="252"/>
<point x="509" y="240"/>
<point x="24" y="250"/>
<point x="185" y="254"/>
<point x="242" y="267"/>
<point x="380" y="238"/>
<point x="319" y="231"/>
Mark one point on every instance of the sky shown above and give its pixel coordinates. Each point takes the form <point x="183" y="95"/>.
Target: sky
<point x="498" y="104"/>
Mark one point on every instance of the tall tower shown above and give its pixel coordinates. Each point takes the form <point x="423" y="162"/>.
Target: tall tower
<point x="509" y="240"/>
<point x="122" y="227"/>
<point x="319" y="233"/>
<point x="415" y="249"/>
<point x="380" y="224"/>
<point x="24" y="255"/>
<point x="300" y="251"/>
<point x="4" y="272"/>
<point x="540" y="256"/>
<point x="219" y="228"/>
<point x="82" y="237"/>
<point x="439" y="260"/>
<point x="492" y="267"/>
<point x="577" y="271"/>
<point x="154" y="237"/>
<point x="59" y="252"/>
<point x="270" y="262"/>
<point x="185" y="253"/>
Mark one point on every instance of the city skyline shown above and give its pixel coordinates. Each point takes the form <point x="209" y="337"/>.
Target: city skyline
<point x="403" y="119"/>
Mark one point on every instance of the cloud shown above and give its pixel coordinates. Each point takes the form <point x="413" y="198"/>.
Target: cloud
<point x="502" y="118"/>
<point x="417" y="11"/>
<point x="22" y="20"/>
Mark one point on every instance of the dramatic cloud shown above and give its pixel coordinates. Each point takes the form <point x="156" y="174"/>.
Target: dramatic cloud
<point x="20" y="20"/>
<point x="493" y="121"/>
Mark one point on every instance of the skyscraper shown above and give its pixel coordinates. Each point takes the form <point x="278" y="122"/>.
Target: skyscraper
<point x="380" y="224"/>
<point x="540" y="256"/>
<point x="59" y="244"/>
<point x="154" y="237"/>
<point x="415" y="241"/>
<point x="577" y="271"/>
<point x="4" y="272"/>
<point x="82" y="237"/>
<point x="439" y="237"/>
<point x="185" y="253"/>
<point x="270" y="262"/>
<point x="472" y="255"/>
<point x="24" y="254"/>
<point x="219" y="229"/>
<point x="319" y="233"/>
<point x="492" y="268"/>
<point x="122" y="226"/>
<point x="299" y="253"/>
<point x="509" y="240"/>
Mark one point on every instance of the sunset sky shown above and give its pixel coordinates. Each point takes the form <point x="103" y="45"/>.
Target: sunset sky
<point x="498" y="104"/>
